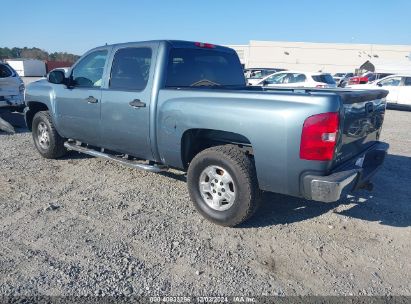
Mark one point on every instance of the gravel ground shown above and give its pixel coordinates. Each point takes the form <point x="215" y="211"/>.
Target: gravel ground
<point x="86" y="226"/>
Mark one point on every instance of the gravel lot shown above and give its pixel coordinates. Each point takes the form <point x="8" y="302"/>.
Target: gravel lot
<point x="85" y="226"/>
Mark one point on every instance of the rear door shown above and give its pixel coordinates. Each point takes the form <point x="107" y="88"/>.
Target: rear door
<point x="404" y="92"/>
<point x="78" y="106"/>
<point x="392" y="85"/>
<point x="295" y="80"/>
<point x="126" y="100"/>
<point x="275" y="80"/>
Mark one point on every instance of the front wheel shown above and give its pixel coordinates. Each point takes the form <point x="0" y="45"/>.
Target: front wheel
<point x="223" y="186"/>
<point x="48" y="142"/>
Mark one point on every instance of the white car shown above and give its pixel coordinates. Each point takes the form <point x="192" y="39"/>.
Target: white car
<point x="298" y="80"/>
<point x="255" y="75"/>
<point x="398" y="86"/>
<point x="11" y="88"/>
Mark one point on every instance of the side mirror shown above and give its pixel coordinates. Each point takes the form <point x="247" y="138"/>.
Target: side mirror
<point x="56" y="77"/>
<point x="379" y="84"/>
<point x="265" y="82"/>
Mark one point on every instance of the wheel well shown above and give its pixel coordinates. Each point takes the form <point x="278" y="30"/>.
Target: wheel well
<point x="34" y="107"/>
<point x="194" y="141"/>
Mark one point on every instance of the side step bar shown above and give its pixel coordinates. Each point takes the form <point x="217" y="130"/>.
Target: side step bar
<point x="129" y="163"/>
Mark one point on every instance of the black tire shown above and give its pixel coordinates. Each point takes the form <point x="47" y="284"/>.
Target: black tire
<point x="55" y="148"/>
<point x="241" y="169"/>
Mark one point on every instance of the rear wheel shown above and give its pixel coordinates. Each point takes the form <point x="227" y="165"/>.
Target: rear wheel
<point x="48" y="142"/>
<point x="223" y="185"/>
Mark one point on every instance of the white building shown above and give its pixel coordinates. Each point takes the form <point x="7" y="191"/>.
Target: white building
<point x="28" y="67"/>
<point x="327" y="57"/>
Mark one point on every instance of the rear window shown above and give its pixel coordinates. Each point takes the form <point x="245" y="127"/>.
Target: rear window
<point x="256" y="75"/>
<point x="325" y="78"/>
<point x="407" y="81"/>
<point x="130" y="69"/>
<point x="5" y="71"/>
<point x="203" y="67"/>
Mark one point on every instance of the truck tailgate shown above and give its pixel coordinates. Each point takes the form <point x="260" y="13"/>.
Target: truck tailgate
<point x="362" y="116"/>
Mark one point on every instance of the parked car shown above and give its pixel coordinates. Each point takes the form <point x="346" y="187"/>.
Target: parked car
<point x="185" y="105"/>
<point x="11" y="88"/>
<point x="341" y="78"/>
<point x="366" y="78"/>
<point x="398" y="86"/>
<point x="298" y="79"/>
<point x="254" y="76"/>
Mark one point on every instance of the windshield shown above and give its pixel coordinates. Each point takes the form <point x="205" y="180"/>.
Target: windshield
<point x="203" y="67"/>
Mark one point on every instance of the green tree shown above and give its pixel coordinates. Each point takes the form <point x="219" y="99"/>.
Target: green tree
<point x="36" y="53"/>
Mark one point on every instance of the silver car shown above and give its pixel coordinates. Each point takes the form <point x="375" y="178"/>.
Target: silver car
<point x="11" y="88"/>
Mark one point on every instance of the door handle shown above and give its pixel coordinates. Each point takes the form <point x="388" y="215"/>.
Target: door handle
<point x="137" y="103"/>
<point x="91" y="99"/>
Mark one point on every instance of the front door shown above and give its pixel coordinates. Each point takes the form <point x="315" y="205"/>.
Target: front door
<point x="392" y="85"/>
<point x="125" y="108"/>
<point x="404" y="94"/>
<point x="78" y="106"/>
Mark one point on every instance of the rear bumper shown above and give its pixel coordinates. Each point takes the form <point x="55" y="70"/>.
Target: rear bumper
<point x="352" y="176"/>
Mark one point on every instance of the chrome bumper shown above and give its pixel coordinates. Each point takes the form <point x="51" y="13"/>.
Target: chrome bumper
<point x="356" y="175"/>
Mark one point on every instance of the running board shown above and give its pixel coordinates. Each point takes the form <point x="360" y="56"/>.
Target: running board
<point x="129" y="163"/>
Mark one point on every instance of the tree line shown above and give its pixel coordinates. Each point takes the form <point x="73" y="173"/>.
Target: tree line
<point x="36" y="53"/>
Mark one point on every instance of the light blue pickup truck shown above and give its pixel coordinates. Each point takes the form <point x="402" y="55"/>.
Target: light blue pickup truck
<point x="174" y="104"/>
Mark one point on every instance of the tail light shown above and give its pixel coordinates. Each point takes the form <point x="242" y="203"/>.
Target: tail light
<point x="363" y="80"/>
<point x="354" y="80"/>
<point x="319" y="136"/>
<point x="21" y="88"/>
<point x="205" y="45"/>
<point x="358" y="80"/>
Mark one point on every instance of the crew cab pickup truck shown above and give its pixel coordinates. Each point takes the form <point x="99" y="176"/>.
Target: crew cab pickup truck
<point x="173" y="104"/>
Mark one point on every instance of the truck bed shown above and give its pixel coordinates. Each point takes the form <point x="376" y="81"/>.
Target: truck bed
<point x="275" y="134"/>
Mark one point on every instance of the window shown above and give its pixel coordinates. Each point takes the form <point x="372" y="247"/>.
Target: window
<point x="393" y="82"/>
<point x="88" y="72"/>
<point x="324" y="78"/>
<point x="203" y="67"/>
<point x="130" y="69"/>
<point x="256" y="75"/>
<point x="276" y="79"/>
<point x="407" y="81"/>
<point x="5" y="71"/>
<point x="295" y="78"/>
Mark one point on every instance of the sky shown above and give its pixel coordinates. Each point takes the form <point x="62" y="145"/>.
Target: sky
<point x="78" y="25"/>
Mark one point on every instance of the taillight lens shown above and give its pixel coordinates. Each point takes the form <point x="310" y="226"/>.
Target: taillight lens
<point x="354" y="80"/>
<point x="319" y="136"/>
<point x="21" y="88"/>
<point x="363" y="80"/>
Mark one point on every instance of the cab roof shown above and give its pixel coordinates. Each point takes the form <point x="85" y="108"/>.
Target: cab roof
<point x="176" y="44"/>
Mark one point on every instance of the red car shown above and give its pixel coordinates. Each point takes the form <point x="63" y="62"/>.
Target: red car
<point x="367" y="78"/>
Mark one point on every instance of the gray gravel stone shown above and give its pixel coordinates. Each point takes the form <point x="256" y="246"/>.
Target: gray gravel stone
<point x="139" y="230"/>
